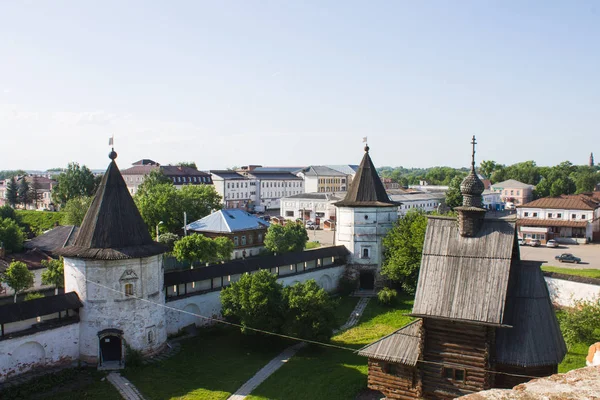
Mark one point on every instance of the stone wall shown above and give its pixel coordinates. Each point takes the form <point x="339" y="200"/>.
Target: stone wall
<point x="564" y="292"/>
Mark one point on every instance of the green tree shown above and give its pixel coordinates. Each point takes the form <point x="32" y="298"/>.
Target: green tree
<point x="7" y="174"/>
<point x="11" y="235"/>
<point x="224" y="248"/>
<point x="403" y="246"/>
<point x="12" y="192"/>
<point x="189" y="164"/>
<point x="255" y="301"/>
<point x="586" y="179"/>
<point x="309" y="311"/>
<point x="54" y="274"/>
<point x="581" y="324"/>
<point x="24" y="192"/>
<point x="162" y="202"/>
<point x="285" y="239"/>
<point x="168" y="239"/>
<point x="8" y="212"/>
<point x="18" y="277"/>
<point x="454" y="197"/>
<point x="75" y="209"/>
<point x="487" y="168"/>
<point x="200" y="248"/>
<point x="35" y="192"/>
<point x="155" y="177"/>
<point x="76" y="181"/>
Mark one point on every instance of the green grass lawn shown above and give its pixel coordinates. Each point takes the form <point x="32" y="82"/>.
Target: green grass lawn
<point x="588" y="273"/>
<point x="83" y="384"/>
<point x="312" y="245"/>
<point x="209" y="366"/>
<point x="575" y="358"/>
<point x="326" y="373"/>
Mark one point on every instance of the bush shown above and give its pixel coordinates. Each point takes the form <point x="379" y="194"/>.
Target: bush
<point x="387" y="296"/>
<point x="581" y="324"/>
<point x="168" y="239"/>
<point x="133" y="357"/>
<point x="347" y="285"/>
<point x="37" y="222"/>
<point x="11" y="235"/>
<point x="33" y="295"/>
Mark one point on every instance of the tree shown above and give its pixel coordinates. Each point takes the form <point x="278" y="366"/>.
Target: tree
<point x="7" y="174"/>
<point x="581" y="324"/>
<point x="76" y="181"/>
<point x="189" y="164"/>
<point x="163" y="202"/>
<point x="75" y="210"/>
<point x="200" y="248"/>
<point x="11" y="235"/>
<point x="487" y="167"/>
<point x="18" y="277"/>
<point x="284" y="239"/>
<point x="12" y="192"/>
<point x="8" y="212"/>
<point x="255" y="301"/>
<point x="54" y="274"/>
<point x="309" y="311"/>
<point x="154" y="178"/>
<point x="24" y="193"/>
<point x="586" y="179"/>
<point x="168" y="239"/>
<point x="35" y="192"/>
<point x="454" y="196"/>
<point x="403" y="246"/>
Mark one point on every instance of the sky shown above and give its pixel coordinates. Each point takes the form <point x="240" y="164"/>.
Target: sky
<point x="230" y="83"/>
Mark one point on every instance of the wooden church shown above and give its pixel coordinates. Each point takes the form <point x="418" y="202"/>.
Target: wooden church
<point x="485" y="319"/>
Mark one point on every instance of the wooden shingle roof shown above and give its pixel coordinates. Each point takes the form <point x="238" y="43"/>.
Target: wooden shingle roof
<point x="366" y="189"/>
<point x="401" y="346"/>
<point x="113" y="228"/>
<point x="465" y="278"/>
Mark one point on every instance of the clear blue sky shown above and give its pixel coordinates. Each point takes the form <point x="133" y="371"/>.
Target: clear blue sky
<point x="296" y="83"/>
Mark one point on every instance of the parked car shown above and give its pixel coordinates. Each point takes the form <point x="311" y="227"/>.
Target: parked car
<point x="534" y="243"/>
<point x="552" y="243"/>
<point x="311" y="225"/>
<point x="568" y="257"/>
<point x="521" y="242"/>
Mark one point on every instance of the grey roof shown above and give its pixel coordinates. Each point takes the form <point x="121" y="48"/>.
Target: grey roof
<point x="54" y="239"/>
<point x="37" y="307"/>
<point x="406" y="197"/>
<point x="227" y="221"/>
<point x="511" y="183"/>
<point x="292" y="170"/>
<point x="320" y="170"/>
<point x="366" y="189"/>
<point x="465" y="278"/>
<point x="535" y="338"/>
<point x="227" y="174"/>
<point x="401" y="346"/>
<point x="314" y="196"/>
<point x="113" y="228"/>
<point x="274" y="175"/>
<point x="348" y="169"/>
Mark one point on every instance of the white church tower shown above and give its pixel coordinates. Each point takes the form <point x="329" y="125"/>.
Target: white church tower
<point x="116" y="269"/>
<point x="364" y="217"/>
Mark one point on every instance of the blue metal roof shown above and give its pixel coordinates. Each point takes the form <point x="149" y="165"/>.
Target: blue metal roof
<point x="227" y="221"/>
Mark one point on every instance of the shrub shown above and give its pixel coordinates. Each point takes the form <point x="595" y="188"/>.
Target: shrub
<point x="168" y="239"/>
<point x="133" y="357"/>
<point x="387" y="296"/>
<point x="581" y="324"/>
<point x="347" y="285"/>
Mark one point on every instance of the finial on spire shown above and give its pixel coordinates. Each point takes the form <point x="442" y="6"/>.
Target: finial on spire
<point x="366" y="144"/>
<point x="113" y="154"/>
<point x="473" y="142"/>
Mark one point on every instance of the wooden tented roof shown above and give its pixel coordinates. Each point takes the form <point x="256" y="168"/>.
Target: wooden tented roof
<point x="366" y="189"/>
<point x="401" y="346"/>
<point x="535" y="338"/>
<point x="465" y="278"/>
<point x="37" y="307"/>
<point x="113" y="228"/>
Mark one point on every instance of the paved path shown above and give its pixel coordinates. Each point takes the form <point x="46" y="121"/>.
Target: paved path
<point x="288" y="353"/>
<point x="125" y="388"/>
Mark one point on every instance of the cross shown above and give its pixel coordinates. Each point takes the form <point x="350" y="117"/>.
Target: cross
<point x="473" y="142"/>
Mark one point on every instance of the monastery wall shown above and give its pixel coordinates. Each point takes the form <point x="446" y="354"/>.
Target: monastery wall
<point x="565" y="292"/>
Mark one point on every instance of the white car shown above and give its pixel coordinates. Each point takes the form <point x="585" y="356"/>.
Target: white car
<point x="552" y="243"/>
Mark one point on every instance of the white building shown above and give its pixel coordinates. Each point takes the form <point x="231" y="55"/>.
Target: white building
<point x="317" y="207"/>
<point x="565" y="218"/>
<point x="427" y="202"/>
<point x="271" y="186"/>
<point x="135" y="175"/>
<point x="363" y="218"/>
<point x="321" y="179"/>
<point x="492" y="200"/>
<point x="237" y="190"/>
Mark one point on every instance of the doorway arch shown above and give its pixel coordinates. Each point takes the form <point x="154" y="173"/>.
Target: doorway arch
<point x="367" y="280"/>
<point x="110" y="346"/>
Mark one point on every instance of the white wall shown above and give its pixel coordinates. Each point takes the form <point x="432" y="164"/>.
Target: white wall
<point x="209" y="304"/>
<point x="53" y="347"/>
<point x="565" y="293"/>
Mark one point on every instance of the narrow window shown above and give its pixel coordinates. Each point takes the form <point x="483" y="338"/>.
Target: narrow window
<point x="129" y="289"/>
<point x="559" y="215"/>
<point x="150" y="337"/>
<point x="243" y="240"/>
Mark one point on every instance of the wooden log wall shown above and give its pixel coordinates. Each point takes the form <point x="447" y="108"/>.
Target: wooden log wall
<point x="459" y="346"/>
<point x="395" y="381"/>
<point x="509" y="381"/>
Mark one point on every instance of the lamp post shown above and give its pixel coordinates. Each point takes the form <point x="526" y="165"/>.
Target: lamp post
<point x="160" y="223"/>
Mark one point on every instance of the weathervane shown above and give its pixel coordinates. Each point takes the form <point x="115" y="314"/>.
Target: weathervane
<point x="473" y="142"/>
<point x="366" y="144"/>
<point x="112" y="155"/>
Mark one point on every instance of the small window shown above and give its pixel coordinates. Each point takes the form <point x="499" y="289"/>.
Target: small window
<point x="236" y="241"/>
<point x="129" y="289"/>
<point x="243" y="240"/>
<point x="559" y="215"/>
<point x="259" y="237"/>
<point x="365" y="253"/>
<point x="150" y="337"/>
<point x="573" y="216"/>
<point x="582" y="216"/>
<point x="535" y="214"/>
<point x="549" y="215"/>
<point x="454" y="374"/>
<point x="289" y="213"/>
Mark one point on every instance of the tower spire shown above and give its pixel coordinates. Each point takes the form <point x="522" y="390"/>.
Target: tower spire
<point x="473" y="142"/>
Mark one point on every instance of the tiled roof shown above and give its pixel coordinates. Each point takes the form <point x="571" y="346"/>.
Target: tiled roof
<point x="551" y="222"/>
<point x="227" y="221"/>
<point x="564" y="202"/>
<point x="511" y="184"/>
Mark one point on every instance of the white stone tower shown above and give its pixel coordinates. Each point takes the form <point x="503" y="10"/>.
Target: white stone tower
<point x="116" y="269"/>
<point x="363" y="218"/>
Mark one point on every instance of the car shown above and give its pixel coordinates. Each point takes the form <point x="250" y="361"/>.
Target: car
<point x="521" y="242"/>
<point x="311" y="225"/>
<point x="552" y="243"/>
<point x="568" y="257"/>
<point x="534" y="243"/>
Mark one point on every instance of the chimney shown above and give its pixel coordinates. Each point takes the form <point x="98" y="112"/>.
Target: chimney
<point x="471" y="214"/>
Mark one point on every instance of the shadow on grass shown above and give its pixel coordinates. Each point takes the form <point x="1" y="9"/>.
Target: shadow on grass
<point x="211" y="365"/>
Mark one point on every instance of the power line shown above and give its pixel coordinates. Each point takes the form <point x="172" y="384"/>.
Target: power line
<point x="220" y="321"/>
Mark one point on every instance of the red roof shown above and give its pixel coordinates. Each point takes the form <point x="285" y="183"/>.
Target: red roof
<point x="551" y="222"/>
<point x="565" y="202"/>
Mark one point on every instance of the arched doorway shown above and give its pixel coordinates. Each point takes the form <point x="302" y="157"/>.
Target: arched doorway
<point x="111" y="346"/>
<point x="367" y="280"/>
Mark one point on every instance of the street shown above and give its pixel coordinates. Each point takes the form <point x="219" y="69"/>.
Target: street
<point x="323" y="236"/>
<point x="589" y="254"/>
